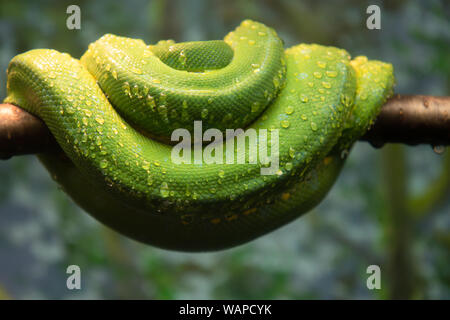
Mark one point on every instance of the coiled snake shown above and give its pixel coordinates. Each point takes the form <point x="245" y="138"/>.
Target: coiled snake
<point x="114" y="110"/>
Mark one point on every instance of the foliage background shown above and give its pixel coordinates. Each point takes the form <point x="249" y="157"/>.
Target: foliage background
<point x="389" y="207"/>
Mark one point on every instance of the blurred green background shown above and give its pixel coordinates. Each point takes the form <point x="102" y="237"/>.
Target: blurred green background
<point x="390" y="206"/>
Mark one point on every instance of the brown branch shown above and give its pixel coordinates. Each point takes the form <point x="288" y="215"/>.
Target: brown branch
<point x="412" y="120"/>
<point x="403" y="119"/>
<point x="22" y="133"/>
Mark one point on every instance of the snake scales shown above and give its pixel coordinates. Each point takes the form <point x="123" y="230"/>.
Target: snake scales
<point x="113" y="112"/>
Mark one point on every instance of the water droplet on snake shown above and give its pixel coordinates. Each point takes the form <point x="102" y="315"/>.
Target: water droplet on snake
<point x="331" y="74"/>
<point x="303" y="98"/>
<point x="291" y="152"/>
<point x="326" y="84"/>
<point x="285" y="124"/>
<point x="164" y="190"/>
<point x="99" y="119"/>
<point x="255" y="106"/>
<point x="103" y="163"/>
<point x="321" y="64"/>
<point x="289" y="110"/>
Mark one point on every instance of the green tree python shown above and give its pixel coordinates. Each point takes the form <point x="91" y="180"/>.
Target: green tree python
<point x="113" y="112"/>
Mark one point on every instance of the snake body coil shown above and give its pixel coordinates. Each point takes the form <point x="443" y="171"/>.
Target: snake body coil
<point x="113" y="111"/>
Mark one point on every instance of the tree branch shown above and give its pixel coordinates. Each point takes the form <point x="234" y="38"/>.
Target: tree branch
<point x="412" y="120"/>
<point x="403" y="119"/>
<point x="23" y="133"/>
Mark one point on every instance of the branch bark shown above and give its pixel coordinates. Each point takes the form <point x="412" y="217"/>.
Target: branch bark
<point x="407" y="119"/>
<point x="22" y="133"/>
<point x="412" y="120"/>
